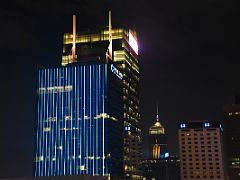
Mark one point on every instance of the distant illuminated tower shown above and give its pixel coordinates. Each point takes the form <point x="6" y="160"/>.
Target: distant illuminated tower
<point x="157" y="140"/>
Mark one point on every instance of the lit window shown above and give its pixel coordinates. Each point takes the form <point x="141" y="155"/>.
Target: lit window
<point x="82" y="168"/>
<point x="41" y="158"/>
<point x="68" y="118"/>
<point x="47" y="129"/>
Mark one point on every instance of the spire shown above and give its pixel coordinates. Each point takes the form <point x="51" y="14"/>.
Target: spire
<point x="157" y="114"/>
<point x="157" y="127"/>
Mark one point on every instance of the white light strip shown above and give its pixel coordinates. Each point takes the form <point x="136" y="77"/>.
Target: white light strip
<point x="103" y="123"/>
<point x="77" y="116"/>
<point x="90" y="114"/>
<point x="62" y="132"/>
<point x="44" y="117"/>
<point x="46" y="135"/>
<point x="80" y="130"/>
<point x="87" y="122"/>
<point x="39" y="132"/>
<point x="65" y="132"/>
<point x="84" y="109"/>
<point x="49" y="125"/>
<point x="70" y="106"/>
<point x="53" y="127"/>
<point x="39" y="126"/>
<point x="97" y="112"/>
<point x="57" y="127"/>
<point x="75" y="105"/>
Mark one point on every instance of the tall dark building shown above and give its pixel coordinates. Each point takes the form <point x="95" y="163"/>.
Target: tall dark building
<point x="123" y="51"/>
<point x="232" y="140"/>
<point x="79" y="121"/>
<point x="157" y="140"/>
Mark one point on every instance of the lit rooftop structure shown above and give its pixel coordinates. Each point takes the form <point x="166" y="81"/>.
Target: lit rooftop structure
<point x="157" y="127"/>
<point x="157" y="140"/>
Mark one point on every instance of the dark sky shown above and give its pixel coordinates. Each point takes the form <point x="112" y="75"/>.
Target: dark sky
<point x="189" y="57"/>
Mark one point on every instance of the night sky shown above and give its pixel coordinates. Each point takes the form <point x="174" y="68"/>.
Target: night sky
<point x="189" y="59"/>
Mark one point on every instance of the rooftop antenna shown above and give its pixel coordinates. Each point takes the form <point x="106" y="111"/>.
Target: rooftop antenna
<point x="109" y="51"/>
<point x="74" y="40"/>
<point x="157" y="112"/>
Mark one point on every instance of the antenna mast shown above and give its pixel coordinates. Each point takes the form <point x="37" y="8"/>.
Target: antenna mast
<point x="109" y="51"/>
<point x="74" y="40"/>
<point x="157" y="113"/>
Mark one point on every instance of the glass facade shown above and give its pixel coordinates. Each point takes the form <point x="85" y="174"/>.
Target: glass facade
<point x="125" y="55"/>
<point x="79" y="121"/>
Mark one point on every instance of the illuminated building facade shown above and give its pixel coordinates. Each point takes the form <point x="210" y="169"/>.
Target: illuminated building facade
<point x="232" y="140"/>
<point x="201" y="155"/>
<point x="79" y="121"/>
<point x="157" y="140"/>
<point x="125" y="56"/>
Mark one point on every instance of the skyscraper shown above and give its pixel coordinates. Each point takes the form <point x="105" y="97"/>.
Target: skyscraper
<point x="79" y="121"/>
<point x="232" y="140"/>
<point x="157" y="140"/>
<point x="200" y="146"/>
<point x="123" y="51"/>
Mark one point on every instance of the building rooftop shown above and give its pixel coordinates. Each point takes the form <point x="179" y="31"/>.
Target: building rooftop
<point x="199" y="124"/>
<point x="157" y="127"/>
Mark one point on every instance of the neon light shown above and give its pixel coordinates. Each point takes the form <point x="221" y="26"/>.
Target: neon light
<point x="133" y="42"/>
<point x="182" y="125"/>
<point x="221" y="127"/>
<point x="166" y="155"/>
<point x="116" y="72"/>
<point x="206" y="124"/>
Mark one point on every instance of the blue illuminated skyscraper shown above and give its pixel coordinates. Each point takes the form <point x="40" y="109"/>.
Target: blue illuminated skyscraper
<point x="125" y="55"/>
<point x="79" y="121"/>
<point x="89" y="109"/>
